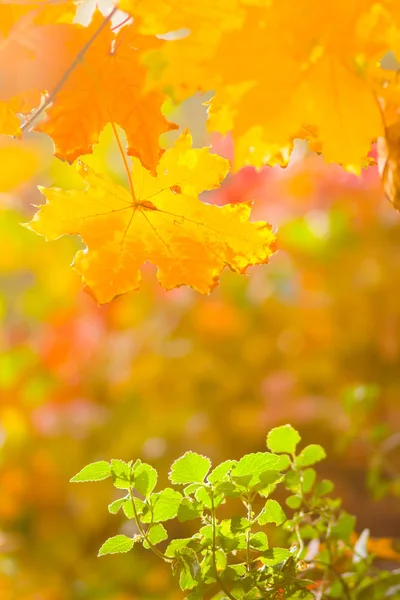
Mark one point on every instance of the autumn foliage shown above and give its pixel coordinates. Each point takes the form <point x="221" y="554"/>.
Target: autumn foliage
<point x="277" y="71"/>
<point x="157" y="142"/>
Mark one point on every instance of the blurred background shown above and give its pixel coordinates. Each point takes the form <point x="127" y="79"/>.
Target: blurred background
<point x="311" y="339"/>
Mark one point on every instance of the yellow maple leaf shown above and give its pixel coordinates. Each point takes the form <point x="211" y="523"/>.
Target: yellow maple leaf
<point x="163" y="16"/>
<point x="162" y="221"/>
<point x="292" y="67"/>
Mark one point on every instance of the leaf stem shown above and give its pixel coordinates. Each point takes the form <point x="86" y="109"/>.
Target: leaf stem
<point x="102" y="95"/>
<point x="68" y="72"/>
<point x="142" y="531"/>
<point x="214" y="545"/>
<point x="248" y="533"/>
<point x="124" y="160"/>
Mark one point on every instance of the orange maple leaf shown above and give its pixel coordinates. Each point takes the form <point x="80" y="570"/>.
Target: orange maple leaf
<point x="107" y="86"/>
<point x="161" y="221"/>
<point x="92" y="75"/>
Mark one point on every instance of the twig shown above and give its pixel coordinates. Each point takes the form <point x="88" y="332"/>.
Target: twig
<point x="214" y="536"/>
<point x="68" y="72"/>
<point x="142" y="531"/>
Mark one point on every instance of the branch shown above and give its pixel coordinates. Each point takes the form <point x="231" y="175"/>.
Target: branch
<point x="217" y="577"/>
<point x="68" y="72"/>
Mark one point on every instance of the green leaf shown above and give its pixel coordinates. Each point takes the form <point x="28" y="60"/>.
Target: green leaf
<point x="188" y="566"/>
<point x="176" y="545"/>
<point x="156" y="534"/>
<point x="96" y="471"/>
<point x="121" y="473"/>
<point x="189" y="509"/>
<point x="114" y="507"/>
<point x="259" y="541"/>
<point x="272" y="513"/>
<point x="283" y="439"/>
<point x="227" y="488"/>
<point x="323" y="487"/>
<point x="294" y="501"/>
<point x="190" y="468"/>
<point x="308" y="477"/>
<point x="192" y="488"/>
<point x="275" y="556"/>
<point x="220" y="473"/>
<point x="268" y="481"/>
<point x="221" y="560"/>
<point x="344" y="527"/>
<point x="309" y="456"/>
<point x="292" y="481"/>
<point x="164" y="506"/>
<point x="239" y="524"/>
<point x="234" y="572"/>
<point x="203" y="496"/>
<point x="128" y="508"/>
<point x="257" y="462"/>
<point x="117" y="544"/>
<point x="145" y="479"/>
<point x="248" y="470"/>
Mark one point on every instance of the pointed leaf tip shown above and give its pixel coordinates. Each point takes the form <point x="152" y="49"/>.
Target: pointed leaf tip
<point x="96" y="471"/>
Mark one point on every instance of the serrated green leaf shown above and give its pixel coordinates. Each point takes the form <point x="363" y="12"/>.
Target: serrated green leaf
<point x="164" y="506"/>
<point x="207" y="570"/>
<point x="259" y="541"/>
<point x="203" y="496"/>
<point x="156" y="534"/>
<point x="239" y="524"/>
<point x="309" y="456"/>
<point x="227" y="488"/>
<point x="234" y="572"/>
<point x="128" y="508"/>
<point x="188" y="566"/>
<point x="272" y="513"/>
<point x="175" y="545"/>
<point x="220" y="473"/>
<point x="253" y="463"/>
<point x="121" y="472"/>
<point x="189" y="509"/>
<point x="275" y="556"/>
<point x="221" y="560"/>
<point x="115" y="506"/>
<point x="117" y="544"/>
<point x="144" y="479"/>
<point x="96" y="471"/>
<point x="283" y="439"/>
<point x="248" y="469"/>
<point x="191" y="488"/>
<point x="268" y="481"/>
<point x="294" y="501"/>
<point x="190" y="468"/>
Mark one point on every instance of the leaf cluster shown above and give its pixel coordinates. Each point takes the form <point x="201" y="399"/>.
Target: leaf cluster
<point x="233" y="552"/>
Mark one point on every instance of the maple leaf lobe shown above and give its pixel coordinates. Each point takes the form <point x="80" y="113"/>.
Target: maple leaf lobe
<point x="189" y="241"/>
